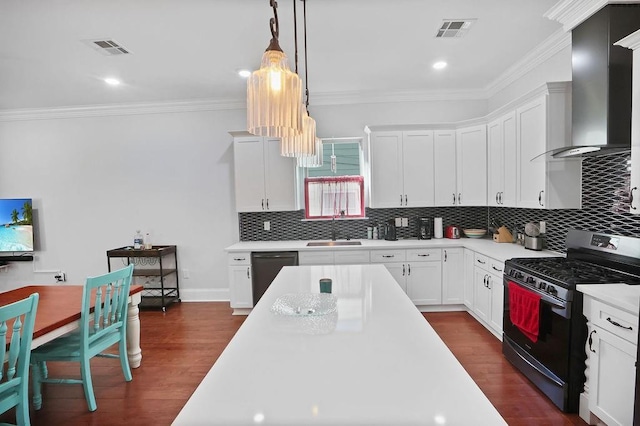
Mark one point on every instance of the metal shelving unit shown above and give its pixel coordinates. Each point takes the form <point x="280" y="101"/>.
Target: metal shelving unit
<point x="158" y="267"/>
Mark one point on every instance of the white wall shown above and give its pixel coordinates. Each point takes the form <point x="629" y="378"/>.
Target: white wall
<point x="95" y="181"/>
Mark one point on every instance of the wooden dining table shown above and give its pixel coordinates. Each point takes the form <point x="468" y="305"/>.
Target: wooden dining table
<point x="59" y="313"/>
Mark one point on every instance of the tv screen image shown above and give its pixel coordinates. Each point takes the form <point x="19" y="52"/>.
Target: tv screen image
<point x="16" y="225"/>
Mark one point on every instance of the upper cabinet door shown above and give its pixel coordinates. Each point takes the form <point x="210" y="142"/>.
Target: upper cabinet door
<point x="510" y="160"/>
<point x="417" y="155"/>
<point x="531" y="131"/>
<point x="472" y="166"/>
<point x="495" y="162"/>
<point x="249" y="169"/>
<point x="386" y="169"/>
<point x="444" y="155"/>
<point x="635" y="134"/>
<point x="280" y="191"/>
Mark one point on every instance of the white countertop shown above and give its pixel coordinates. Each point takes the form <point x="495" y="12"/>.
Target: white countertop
<point x="499" y="251"/>
<point x="623" y="296"/>
<point x="377" y="361"/>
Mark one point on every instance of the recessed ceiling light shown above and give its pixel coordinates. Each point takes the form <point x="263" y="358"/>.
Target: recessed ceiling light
<point x="440" y="65"/>
<point x="244" y="73"/>
<point x="112" y="81"/>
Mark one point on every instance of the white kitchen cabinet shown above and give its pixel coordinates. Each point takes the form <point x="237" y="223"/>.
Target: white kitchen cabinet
<point x="401" y="169"/>
<point x="633" y="42"/>
<point x="488" y="292"/>
<point x="469" y="277"/>
<point x="453" y="277"/>
<point x="501" y="161"/>
<point x="444" y="154"/>
<point x="264" y="180"/>
<point x="333" y="257"/>
<point x="611" y="351"/>
<point x="471" y="166"/>
<point x="239" y="272"/>
<point x="399" y="273"/>
<point x="543" y="124"/>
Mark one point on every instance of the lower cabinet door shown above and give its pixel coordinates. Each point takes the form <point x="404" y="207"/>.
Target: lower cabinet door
<point x="482" y="294"/>
<point x="612" y="378"/>
<point x="469" y="278"/>
<point x="453" y="278"/>
<point x="399" y="273"/>
<point x="497" y="301"/>
<point x="240" y="290"/>
<point x="424" y="282"/>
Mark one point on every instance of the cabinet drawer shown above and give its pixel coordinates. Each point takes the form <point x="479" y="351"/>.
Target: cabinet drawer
<point x="352" y="257"/>
<point x="604" y="316"/>
<point x="387" y="256"/>
<point x="239" y="258"/>
<point x="424" y="255"/>
<point x="496" y="267"/>
<point x="481" y="261"/>
<point x="315" y="257"/>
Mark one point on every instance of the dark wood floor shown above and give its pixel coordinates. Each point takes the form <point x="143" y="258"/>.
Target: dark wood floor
<point x="180" y="346"/>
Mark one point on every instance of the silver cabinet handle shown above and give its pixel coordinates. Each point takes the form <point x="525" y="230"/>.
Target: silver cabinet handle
<point x="591" y="341"/>
<point x="501" y="197"/>
<point x="631" y="198"/>
<point x="459" y="198"/>
<point x="423" y="255"/>
<point x="388" y="255"/>
<point x="618" y="324"/>
<point x="489" y="282"/>
<point x="400" y="199"/>
<point x="496" y="269"/>
<point x="540" y="198"/>
<point x="238" y="259"/>
<point x="403" y="270"/>
<point x="454" y="198"/>
<point x="445" y="255"/>
<point x="406" y="200"/>
<point x="409" y="268"/>
<point x="248" y="276"/>
<point x="263" y="204"/>
<point x="484" y="280"/>
<point x="497" y="202"/>
<point x="267" y="204"/>
<point x="480" y="261"/>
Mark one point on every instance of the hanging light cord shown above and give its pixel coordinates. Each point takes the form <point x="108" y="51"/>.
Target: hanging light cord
<point x="295" y="33"/>
<point x="306" y="75"/>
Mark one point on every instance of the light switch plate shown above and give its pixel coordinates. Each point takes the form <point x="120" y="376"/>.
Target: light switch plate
<point x="398" y="221"/>
<point x="267" y="225"/>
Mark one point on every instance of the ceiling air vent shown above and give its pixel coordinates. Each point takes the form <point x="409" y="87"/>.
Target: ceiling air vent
<point x="452" y="28"/>
<point x="107" y="47"/>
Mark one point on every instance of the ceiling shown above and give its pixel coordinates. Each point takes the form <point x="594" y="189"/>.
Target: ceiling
<point x="192" y="49"/>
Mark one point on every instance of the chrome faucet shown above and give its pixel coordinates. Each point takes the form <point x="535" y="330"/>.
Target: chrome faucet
<point x="333" y="225"/>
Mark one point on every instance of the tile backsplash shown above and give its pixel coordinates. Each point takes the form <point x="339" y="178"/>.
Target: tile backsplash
<point x="605" y="202"/>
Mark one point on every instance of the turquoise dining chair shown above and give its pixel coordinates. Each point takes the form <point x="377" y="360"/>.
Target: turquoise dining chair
<point x="100" y="329"/>
<point x="19" y="318"/>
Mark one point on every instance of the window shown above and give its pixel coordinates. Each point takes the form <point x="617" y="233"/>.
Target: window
<point x="337" y="188"/>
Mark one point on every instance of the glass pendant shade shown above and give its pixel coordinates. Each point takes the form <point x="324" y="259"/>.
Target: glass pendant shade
<point x="315" y="160"/>
<point x="303" y="144"/>
<point x="274" y="95"/>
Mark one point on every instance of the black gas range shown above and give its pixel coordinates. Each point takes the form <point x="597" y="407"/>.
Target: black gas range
<point x="547" y="344"/>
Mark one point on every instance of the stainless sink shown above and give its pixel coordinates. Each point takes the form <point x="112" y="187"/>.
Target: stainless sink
<point x="333" y="243"/>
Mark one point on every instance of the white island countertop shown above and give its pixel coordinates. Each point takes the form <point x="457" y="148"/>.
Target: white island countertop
<point x="376" y="361"/>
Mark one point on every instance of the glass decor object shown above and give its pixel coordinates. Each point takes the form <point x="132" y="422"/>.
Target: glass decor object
<point x="310" y="161"/>
<point x="303" y="144"/>
<point x="274" y="92"/>
<point x="305" y="304"/>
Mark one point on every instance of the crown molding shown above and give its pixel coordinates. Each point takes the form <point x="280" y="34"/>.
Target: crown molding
<point x="354" y="97"/>
<point x="121" y="109"/>
<point x="545" y="50"/>
<point x="632" y="41"/>
<point x="571" y="13"/>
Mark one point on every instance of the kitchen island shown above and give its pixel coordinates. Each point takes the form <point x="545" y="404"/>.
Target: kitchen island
<point x="376" y="360"/>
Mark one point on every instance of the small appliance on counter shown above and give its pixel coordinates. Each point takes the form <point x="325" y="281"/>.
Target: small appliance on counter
<point x="532" y="238"/>
<point x="452" y="232"/>
<point x="424" y="228"/>
<point x="390" y="231"/>
<point x="437" y="227"/>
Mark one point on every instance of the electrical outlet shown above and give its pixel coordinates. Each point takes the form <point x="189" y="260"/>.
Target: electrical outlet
<point x="398" y="222"/>
<point x="185" y="274"/>
<point x="405" y="222"/>
<point x="60" y="277"/>
<point x="267" y="225"/>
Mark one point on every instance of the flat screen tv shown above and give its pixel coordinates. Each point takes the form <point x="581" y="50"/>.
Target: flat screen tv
<point x="16" y="225"/>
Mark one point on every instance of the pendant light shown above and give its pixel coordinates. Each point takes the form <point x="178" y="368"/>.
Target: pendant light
<point x="274" y="92"/>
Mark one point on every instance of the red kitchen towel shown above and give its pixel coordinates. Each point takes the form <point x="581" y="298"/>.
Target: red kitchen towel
<point x="524" y="310"/>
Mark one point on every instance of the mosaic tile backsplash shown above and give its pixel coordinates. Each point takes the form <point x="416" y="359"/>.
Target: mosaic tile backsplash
<point x="605" y="202"/>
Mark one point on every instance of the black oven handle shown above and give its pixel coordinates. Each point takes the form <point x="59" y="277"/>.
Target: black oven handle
<point x="558" y="306"/>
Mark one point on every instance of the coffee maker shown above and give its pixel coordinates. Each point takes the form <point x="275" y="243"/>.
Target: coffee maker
<point x="425" y="228"/>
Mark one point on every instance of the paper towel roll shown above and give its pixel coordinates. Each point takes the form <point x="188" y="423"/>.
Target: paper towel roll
<point x="437" y="227"/>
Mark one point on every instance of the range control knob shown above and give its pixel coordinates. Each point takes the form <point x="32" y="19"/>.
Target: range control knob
<point x="542" y="285"/>
<point x="531" y="280"/>
<point x="518" y="275"/>
<point x="552" y="290"/>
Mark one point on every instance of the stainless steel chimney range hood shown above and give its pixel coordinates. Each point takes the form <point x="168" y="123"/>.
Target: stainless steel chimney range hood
<point x="601" y="83"/>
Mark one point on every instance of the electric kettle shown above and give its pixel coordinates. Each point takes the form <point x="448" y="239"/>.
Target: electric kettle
<point x="452" y="232"/>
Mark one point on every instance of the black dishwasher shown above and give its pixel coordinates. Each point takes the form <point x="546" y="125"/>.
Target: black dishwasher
<point x="265" y="266"/>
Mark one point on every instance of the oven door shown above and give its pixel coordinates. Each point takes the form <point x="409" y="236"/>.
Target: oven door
<point x="553" y="344"/>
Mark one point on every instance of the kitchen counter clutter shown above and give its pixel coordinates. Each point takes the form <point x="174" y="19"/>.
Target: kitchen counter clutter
<point x="349" y="368"/>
